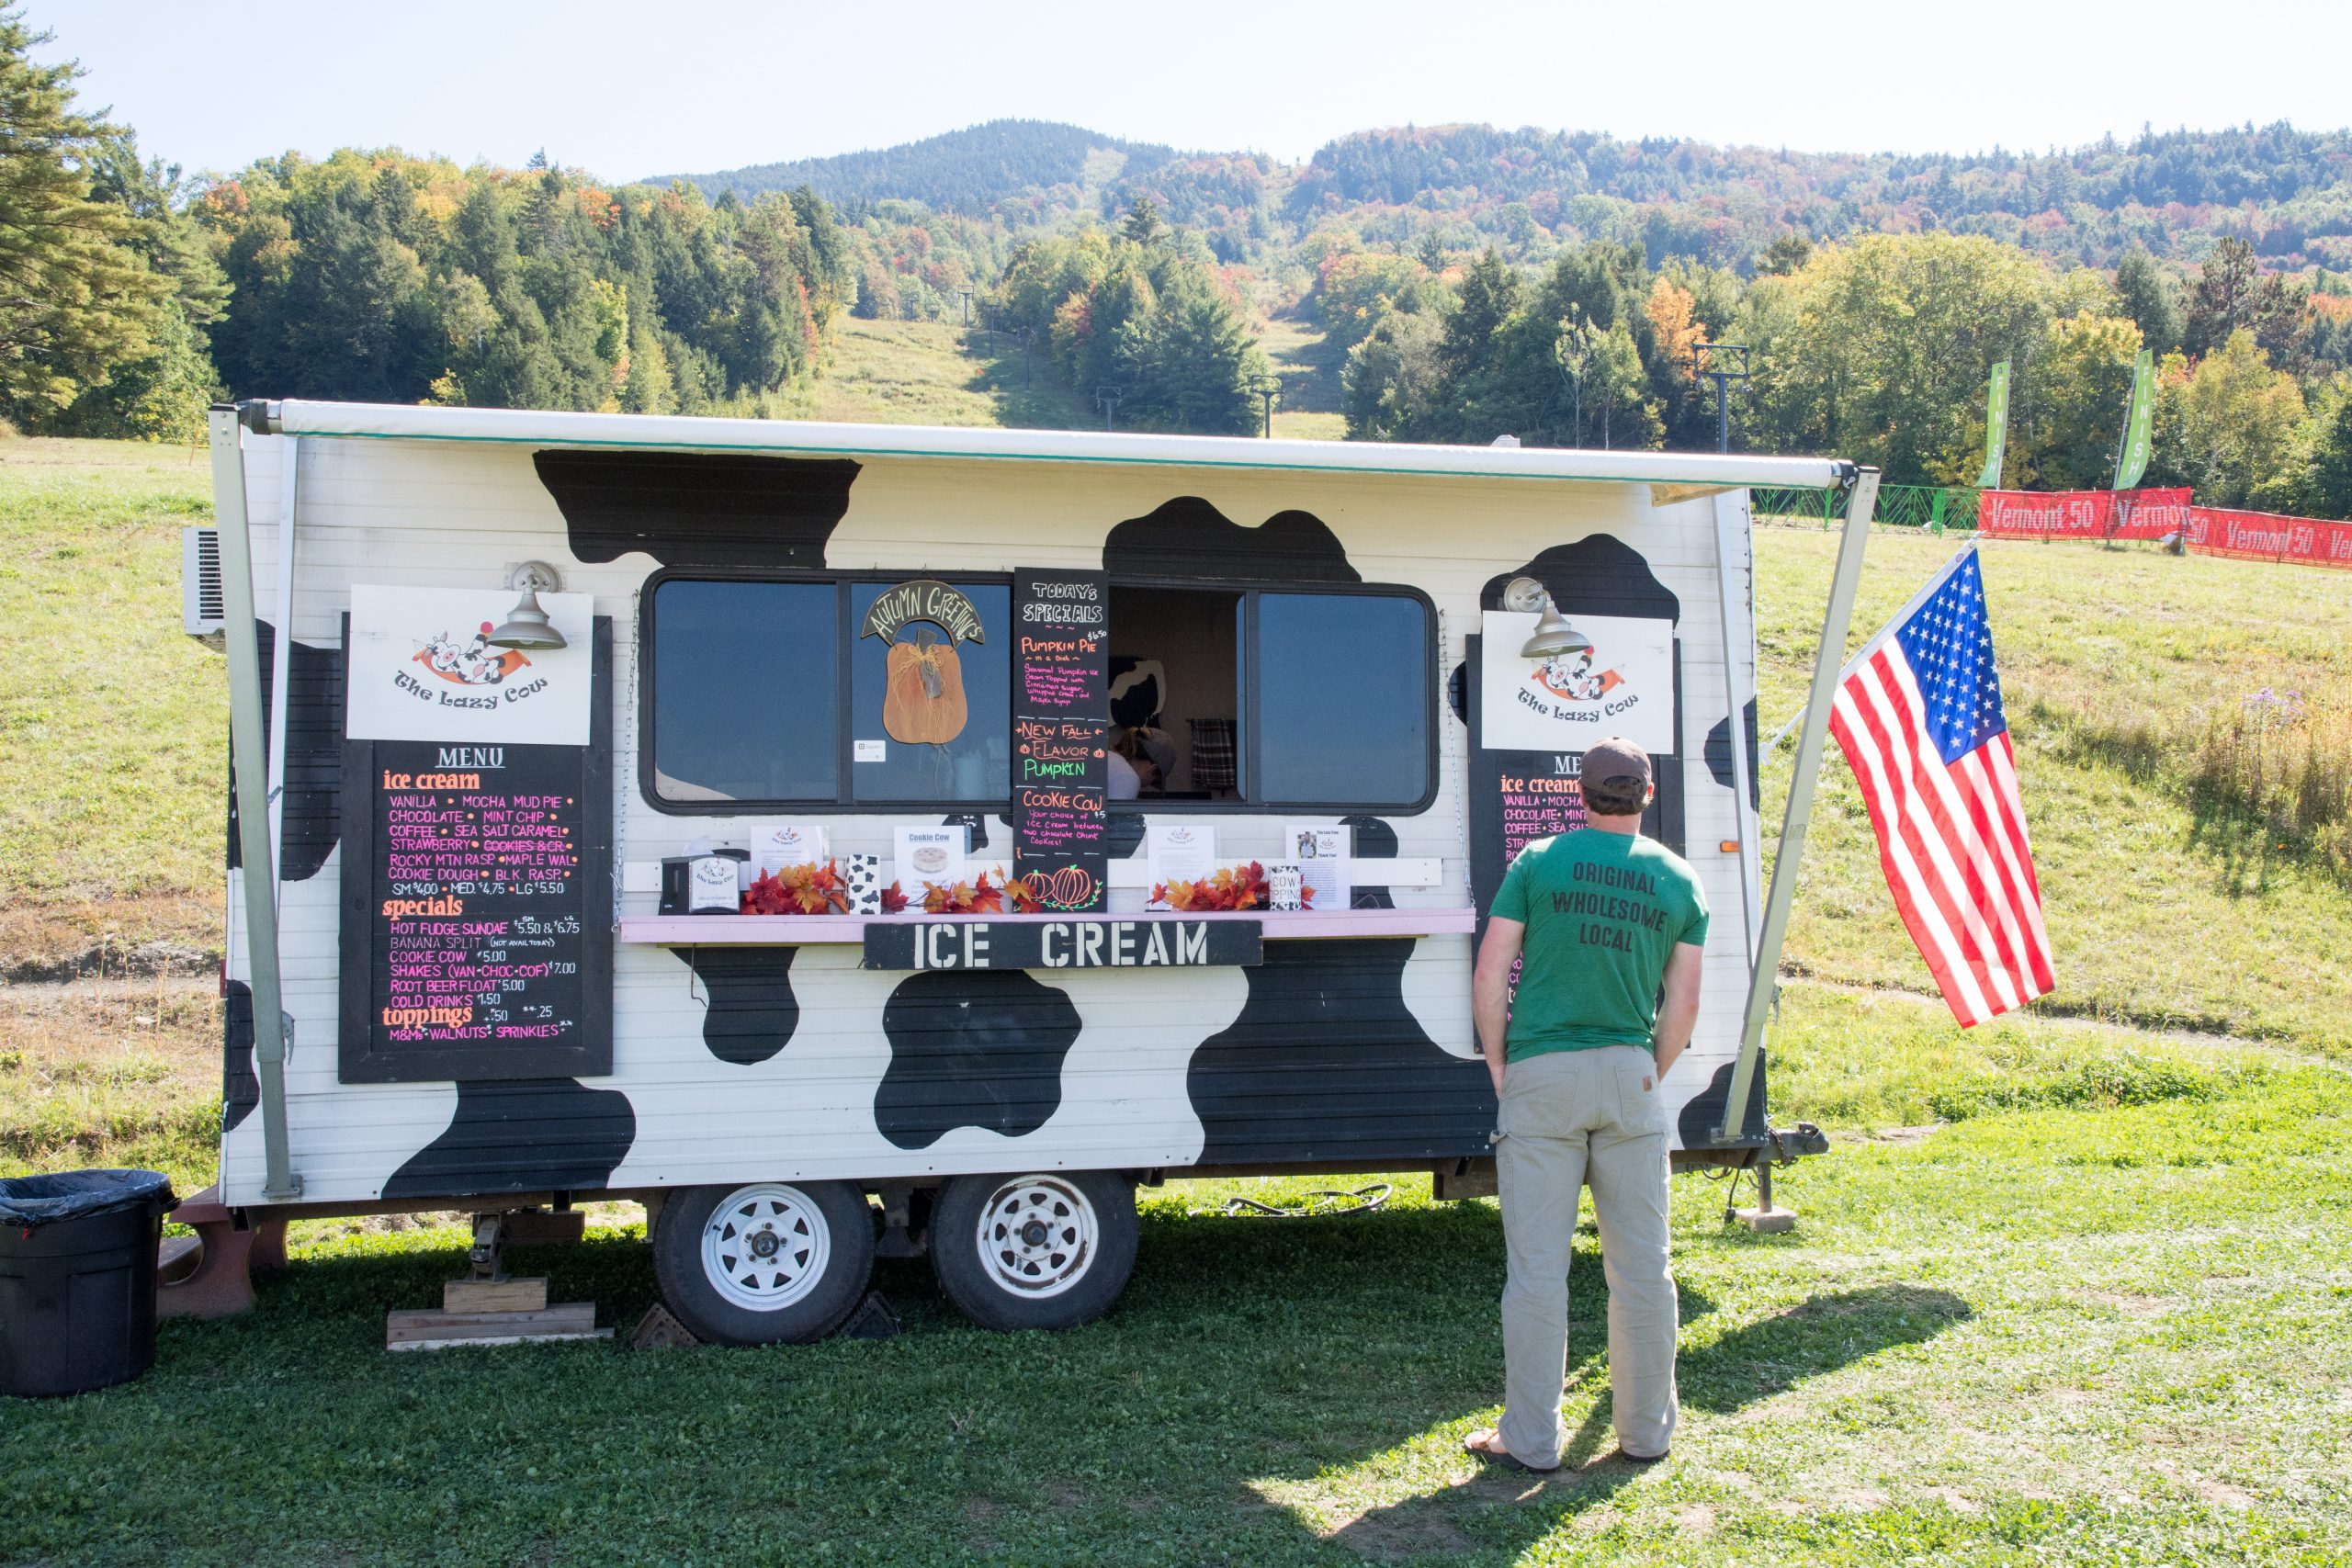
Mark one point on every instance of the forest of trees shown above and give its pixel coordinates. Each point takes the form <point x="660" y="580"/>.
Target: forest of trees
<point x="1469" y="282"/>
<point x="136" y="296"/>
<point x="1143" y="311"/>
<point x="1877" y="350"/>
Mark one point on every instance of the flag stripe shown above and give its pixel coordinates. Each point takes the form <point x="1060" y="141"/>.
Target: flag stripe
<point x="1929" y="932"/>
<point x="1913" y="816"/>
<point x="2007" y="835"/>
<point x="1959" y="828"/>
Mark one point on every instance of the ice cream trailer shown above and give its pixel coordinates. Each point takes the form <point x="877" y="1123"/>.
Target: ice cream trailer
<point x="848" y="839"/>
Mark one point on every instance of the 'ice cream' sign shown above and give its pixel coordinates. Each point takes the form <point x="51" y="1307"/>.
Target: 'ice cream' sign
<point x="1622" y="684"/>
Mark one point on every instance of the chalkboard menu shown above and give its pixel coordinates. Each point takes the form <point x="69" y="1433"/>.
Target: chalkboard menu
<point x="478" y="905"/>
<point x="1061" y="733"/>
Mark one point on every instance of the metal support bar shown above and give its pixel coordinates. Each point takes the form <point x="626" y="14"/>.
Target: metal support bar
<point x="1731" y="522"/>
<point x="249" y="758"/>
<point x="1826" y="661"/>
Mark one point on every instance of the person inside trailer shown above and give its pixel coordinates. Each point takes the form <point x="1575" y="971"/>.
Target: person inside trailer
<point x="1135" y="764"/>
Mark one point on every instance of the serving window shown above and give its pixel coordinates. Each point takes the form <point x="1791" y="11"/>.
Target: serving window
<point x="870" y="692"/>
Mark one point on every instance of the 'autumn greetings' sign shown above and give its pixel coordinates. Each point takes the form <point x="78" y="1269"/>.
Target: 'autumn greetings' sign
<point x="423" y="668"/>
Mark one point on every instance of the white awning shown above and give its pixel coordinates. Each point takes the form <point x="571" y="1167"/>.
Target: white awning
<point x="395" y="421"/>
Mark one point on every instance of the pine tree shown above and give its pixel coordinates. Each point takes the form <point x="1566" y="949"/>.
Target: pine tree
<point x="76" y="297"/>
<point x="2149" y="298"/>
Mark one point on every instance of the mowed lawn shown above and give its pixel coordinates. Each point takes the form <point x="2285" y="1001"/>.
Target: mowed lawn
<point x="2098" y="1317"/>
<point x="2064" y="1292"/>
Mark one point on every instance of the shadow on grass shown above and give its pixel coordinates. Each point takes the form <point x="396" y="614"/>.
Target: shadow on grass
<point x="1255" y="1368"/>
<point x="1503" y="1508"/>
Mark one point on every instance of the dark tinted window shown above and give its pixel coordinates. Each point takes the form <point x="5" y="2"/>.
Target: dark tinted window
<point x="974" y="761"/>
<point x="744" y="679"/>
<point x="1343" y="695"/>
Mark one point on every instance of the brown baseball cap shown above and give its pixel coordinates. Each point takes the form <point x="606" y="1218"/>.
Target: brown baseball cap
<point x="1616" y="776"/>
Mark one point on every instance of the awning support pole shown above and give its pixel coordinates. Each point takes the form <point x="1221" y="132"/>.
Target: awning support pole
<point x="249" y="759"/>
<point x="1764" y="973"/>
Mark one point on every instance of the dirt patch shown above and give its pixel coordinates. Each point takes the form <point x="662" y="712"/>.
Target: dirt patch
<point x="2131" y="1303"/>
<point x="1393" y="1535"/>
<point x="1696" y="1520"/>
<point x="1905" y="1134"/>
<point x="177" y="933"/>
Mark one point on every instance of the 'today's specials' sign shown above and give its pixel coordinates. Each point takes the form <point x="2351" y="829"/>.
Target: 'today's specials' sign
<point x="1061" y="734"/>
<point x="477" y="906"/>
<point x="422" y="667"/>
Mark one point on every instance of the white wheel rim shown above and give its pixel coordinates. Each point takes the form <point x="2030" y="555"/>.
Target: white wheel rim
<point x="1038" y="1235"/>
<point x="765" y="1247"/>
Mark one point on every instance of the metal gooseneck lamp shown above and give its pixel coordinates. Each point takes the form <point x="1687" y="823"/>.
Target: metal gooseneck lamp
<point x="527" y="625"/>
<point x="1553" y="635"/>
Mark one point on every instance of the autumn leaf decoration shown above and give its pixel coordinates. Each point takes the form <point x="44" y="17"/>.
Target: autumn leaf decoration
<point x="798" y="890"/>
<point x="980" y="897"/>
<point x="1232" y="889"/>
<point x="894" y="899"/>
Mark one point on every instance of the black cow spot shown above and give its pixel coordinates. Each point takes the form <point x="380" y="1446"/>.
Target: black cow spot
<point x="1189" y="540"/>
<point x="972" y="1048"/>
<point x="976" y="829"/>
<point x="314" y="755"/>
<point x="1325" y="1062"/>
<point x="239" y="1089"/>
<point x="1598" y="575"/>
<point x="1457" y="691"/>
<point x="529" y="1135"/>
<point x="1719" y="757"/>
<point x="1375" y="840"/>
<point x="1123" y="834"/>
<point x="751" y="1012"/>
<point x="1703" y="1118"/>
<point x="734" y="509"/>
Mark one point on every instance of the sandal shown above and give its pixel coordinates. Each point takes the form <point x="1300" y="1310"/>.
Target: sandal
<point x="1476" y="1445"/>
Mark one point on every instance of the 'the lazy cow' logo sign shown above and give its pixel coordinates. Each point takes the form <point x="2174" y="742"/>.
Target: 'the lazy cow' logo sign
<point x="1617" y="678"/>
<point x="422" y="668"/>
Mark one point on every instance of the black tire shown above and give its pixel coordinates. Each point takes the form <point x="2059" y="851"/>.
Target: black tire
<point x="825" y="1227"/>
<point x="1072" y="1255"/>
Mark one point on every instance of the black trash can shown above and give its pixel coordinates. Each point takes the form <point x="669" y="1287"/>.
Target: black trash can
<point x="77" y="1278"/>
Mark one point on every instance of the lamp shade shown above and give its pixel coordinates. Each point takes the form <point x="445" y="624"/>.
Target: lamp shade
<point x="1553" y="636"/>
<point x="527" y="625"/>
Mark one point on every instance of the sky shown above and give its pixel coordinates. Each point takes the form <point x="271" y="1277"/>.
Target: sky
<point x="629" y="90"/>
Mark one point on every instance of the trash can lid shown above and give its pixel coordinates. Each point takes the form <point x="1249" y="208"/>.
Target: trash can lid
<point x="31" y="1201"/>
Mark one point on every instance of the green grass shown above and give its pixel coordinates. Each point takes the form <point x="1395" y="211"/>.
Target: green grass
<point x="113" y="723"/>
<point x="2107" y="1330"/>
<point x="931" y="372"/>
<point x="2163" y="910"/>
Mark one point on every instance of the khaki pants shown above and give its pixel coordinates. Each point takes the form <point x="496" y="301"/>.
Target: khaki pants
<point x="1572" y="1119"/>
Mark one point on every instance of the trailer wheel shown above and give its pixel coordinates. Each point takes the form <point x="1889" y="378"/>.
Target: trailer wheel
<point x="1043" y="1251"/>
<point x="770" y="1263"/>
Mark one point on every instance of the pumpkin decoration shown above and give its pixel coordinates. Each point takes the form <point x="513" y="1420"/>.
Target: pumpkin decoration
<point x="922" y="702"/>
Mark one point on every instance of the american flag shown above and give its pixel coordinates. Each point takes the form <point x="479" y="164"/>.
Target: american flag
<point x="1919" y="716"/>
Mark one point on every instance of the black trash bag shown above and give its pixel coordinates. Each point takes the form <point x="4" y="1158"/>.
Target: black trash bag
<point x="30" y="1201"/>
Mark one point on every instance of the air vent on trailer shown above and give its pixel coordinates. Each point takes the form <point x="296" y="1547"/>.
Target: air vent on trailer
<point x="200" y="580"/>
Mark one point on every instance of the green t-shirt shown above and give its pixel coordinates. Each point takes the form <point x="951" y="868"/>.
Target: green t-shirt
<point x="1603" y="912"/>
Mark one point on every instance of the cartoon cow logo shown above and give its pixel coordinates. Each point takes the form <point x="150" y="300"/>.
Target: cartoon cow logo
<point x="474" y="663"/>
<point x="1570" y="676"/>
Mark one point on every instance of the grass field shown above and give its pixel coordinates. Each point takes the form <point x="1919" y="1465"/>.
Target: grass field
<point x="2071" y="1288"/>
<point x="2165" y="910"/>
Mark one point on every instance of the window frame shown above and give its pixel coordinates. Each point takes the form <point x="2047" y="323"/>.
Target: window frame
<point x="844" y="672"/>
<point x="1244" y="721"/>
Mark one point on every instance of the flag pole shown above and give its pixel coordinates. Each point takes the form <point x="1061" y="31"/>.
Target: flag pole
<point x="1827" y="660"/>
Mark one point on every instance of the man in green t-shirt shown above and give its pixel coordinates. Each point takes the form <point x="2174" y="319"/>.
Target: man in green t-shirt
<point x="1607" y="923"/>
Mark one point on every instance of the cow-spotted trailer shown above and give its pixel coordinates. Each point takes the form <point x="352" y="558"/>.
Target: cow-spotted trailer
<point x="514" y="693"/>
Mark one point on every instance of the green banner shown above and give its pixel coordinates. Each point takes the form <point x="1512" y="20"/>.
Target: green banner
<point x="1996" y="426"/>
<point x="2138" y="424"/>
